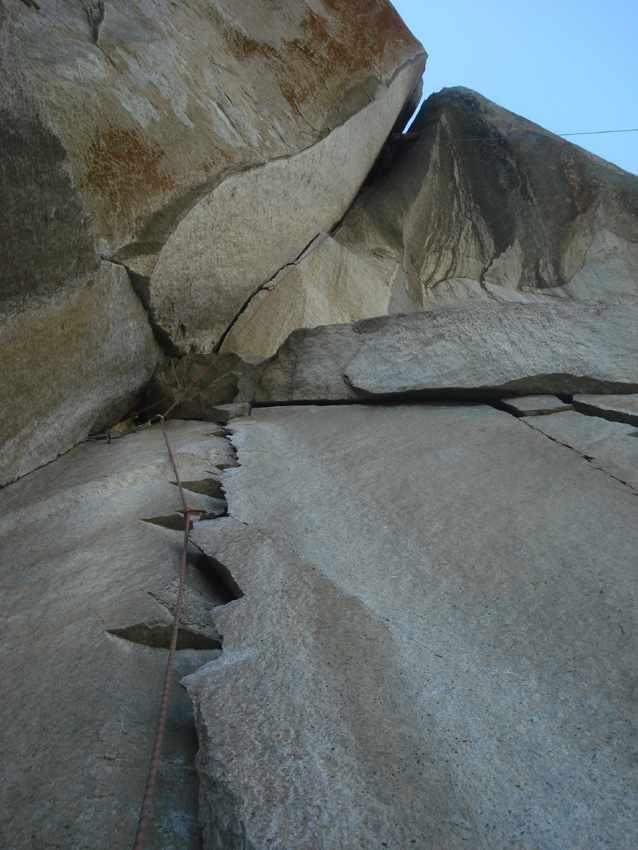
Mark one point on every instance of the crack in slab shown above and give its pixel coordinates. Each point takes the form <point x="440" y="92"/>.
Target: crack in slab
<point x="589" y="409"/>
<point x="506" y="407"/>
<point x="158" y="635"/>
<point x="590" y="459"/>
<point x="314" y="243"/>
<point x="206" y="487"/>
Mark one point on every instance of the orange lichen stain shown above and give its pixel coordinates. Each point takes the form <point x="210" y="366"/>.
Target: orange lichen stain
<point x="372" y="26"/>
<point x="244" y="47"/>
<point x="357" y="38"/>
<point x="123" y="168"/>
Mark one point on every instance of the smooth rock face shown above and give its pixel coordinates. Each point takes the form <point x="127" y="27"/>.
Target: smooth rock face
<point x="612" y="446"/>
<point x="479" y="203"/>
<point x="328" y="285"/>
<point x="436" y="643"/>
<point x="89" y="591"/>
<point x="71" y="363"/>
<point x="472" y="350"/>
<point x="619" y="408"/>
<point x="201" y="145"/>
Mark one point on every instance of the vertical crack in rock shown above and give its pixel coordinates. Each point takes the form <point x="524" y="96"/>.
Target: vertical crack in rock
<point x="228" y="434"/>
<point x="210" y="585"/>
<point x="314" y="243"/>
<point x="216" y="578"/>
<point x="140" y="285"/>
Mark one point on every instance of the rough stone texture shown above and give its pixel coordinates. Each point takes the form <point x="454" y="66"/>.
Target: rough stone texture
<point x="480" y="203"/>
<point x="70" y="363"/>
<point x="201" y="144"/>
<point x="619" y="408"/>
<point x="612" y="446"/>
<point x="80" y="704"/>
<point x="535" y="405"/>
<point x="436" y="644"/>
<point x="471" y="350"/>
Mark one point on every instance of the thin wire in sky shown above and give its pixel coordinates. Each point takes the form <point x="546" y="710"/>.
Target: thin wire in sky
<point x="597" y="132"/>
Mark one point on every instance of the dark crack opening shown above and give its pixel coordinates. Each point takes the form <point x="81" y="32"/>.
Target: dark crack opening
<point x="159" y="636"/>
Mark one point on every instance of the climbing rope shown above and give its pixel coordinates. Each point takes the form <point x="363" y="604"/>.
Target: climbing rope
<point x="153" y="770"/>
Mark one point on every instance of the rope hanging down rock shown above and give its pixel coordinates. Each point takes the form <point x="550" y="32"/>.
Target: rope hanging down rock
<point x="153" y="770"/>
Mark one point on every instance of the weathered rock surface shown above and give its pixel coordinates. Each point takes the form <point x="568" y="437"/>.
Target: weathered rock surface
<point x="201" y="145"/>
<point x="88" y="578"/>
<point x="470" y="350"/>
<point x="535" y="405"/>
<point x="619" y="408"/>
<point x="474" y="203"/>
<point x="481" y="203"/>
<point x="70" y="363"/>
<point x="612" y="446"/>
<point x="241" y="234"/>
<point x="432" y="651"/>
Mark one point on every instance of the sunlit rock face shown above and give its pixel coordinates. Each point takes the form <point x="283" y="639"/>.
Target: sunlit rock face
<point x="438" y="599"/>
<point x="473" y="203"/>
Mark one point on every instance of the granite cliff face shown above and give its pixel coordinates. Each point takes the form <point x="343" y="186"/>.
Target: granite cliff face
<point x="410" y="366"/>
<point x="199" y="146"/>
<point x="473" y="203"/>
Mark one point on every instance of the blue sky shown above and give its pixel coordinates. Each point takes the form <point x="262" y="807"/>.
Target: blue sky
<point x="566" y="65"/>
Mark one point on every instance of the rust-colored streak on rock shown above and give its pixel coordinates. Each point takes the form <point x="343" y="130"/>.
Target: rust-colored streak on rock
<point x="359" y="38"/>
<point x="373" y="25"/>
<point x="123" y="166"/>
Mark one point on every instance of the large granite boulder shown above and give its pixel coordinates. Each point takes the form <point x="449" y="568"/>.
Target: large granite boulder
<point x="436" y="642"/>
<point x="470" y="351"/>
<point x="202" y="146"/>
<point x="474" y="202"/>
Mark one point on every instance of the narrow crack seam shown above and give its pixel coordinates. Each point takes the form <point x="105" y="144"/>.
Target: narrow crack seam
<point x="312" y="245"/>
<point x="591" y="460"/>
